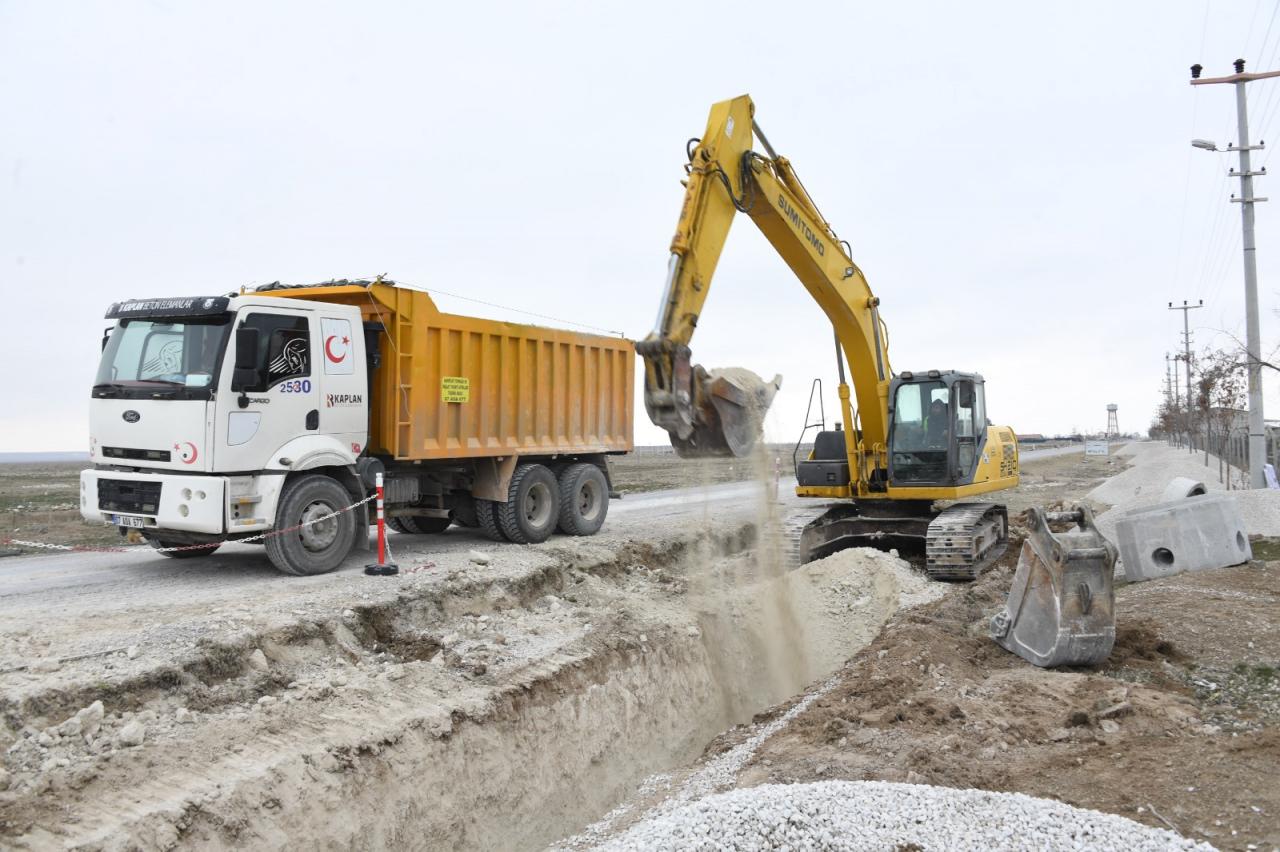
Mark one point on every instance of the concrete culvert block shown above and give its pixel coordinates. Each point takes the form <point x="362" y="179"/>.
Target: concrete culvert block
<point x="1182" y="487"/>
<point x="1189" y="534"/>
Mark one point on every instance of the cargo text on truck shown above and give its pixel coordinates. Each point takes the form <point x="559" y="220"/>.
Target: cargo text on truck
<point x="217" y="419"/>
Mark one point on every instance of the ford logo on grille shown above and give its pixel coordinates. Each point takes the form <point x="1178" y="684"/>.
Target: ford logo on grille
<point x="131" y="416"/>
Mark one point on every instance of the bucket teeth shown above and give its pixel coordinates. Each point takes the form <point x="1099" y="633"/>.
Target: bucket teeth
<point x="1061" y="607"/>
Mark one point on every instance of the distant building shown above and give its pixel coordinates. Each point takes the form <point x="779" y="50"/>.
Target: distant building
<point x="1032" y="438"/>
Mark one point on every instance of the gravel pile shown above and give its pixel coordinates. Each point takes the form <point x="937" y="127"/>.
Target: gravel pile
<point x="877" y="815"/>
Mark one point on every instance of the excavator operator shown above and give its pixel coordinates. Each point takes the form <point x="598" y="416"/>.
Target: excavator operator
<point x="935" y="424"/>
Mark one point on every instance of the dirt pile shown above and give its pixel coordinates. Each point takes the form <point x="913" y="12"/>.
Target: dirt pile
<point x="1148" y="735"/>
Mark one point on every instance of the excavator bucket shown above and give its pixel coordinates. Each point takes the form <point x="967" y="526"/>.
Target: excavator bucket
<point x="1061" y="607"/>
<point x="731" y="406"/>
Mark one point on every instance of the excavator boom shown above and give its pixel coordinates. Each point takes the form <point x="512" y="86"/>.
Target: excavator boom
<point x="709" y="413"/>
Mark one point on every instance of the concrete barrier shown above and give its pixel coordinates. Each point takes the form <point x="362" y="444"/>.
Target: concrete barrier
<point x="1191" y="534"/>
<point x="1181" y="488"/>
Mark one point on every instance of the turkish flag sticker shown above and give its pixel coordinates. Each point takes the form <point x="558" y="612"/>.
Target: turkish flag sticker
<point x="339" y="348"/>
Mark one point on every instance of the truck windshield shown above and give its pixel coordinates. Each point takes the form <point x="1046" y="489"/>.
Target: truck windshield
<point x="146" y="355"/>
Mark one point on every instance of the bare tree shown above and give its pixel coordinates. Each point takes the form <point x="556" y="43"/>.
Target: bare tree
<point x="1220" y="396"/>
<point x="1167" y="421"/>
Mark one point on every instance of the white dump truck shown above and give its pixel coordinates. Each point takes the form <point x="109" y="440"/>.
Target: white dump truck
<point x="223" y="418"/>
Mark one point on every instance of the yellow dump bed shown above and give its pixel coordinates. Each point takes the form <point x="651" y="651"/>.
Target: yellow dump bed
<point x="452" y="386"/>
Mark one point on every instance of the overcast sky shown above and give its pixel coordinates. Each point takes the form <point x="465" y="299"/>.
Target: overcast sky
<point x="1015" y="178"/>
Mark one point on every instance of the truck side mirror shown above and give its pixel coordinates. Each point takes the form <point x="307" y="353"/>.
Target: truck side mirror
<point x="106" y="335"/>
<point x="246" y="366"/>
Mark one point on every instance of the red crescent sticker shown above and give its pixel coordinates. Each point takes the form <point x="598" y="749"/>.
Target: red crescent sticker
<point x="189" y="455"/>
<point x="328" y="350"/>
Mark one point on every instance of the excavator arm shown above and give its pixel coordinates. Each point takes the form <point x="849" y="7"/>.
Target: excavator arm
<point x="719" y="413"/>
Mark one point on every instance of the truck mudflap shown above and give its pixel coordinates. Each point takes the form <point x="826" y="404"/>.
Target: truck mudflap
<point x="1061" y="606"/>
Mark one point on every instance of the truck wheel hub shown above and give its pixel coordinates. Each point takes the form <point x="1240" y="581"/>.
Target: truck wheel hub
<point x="318" y="535"/>
<point x="589" y="501"/>
<point x="537" y="505"/>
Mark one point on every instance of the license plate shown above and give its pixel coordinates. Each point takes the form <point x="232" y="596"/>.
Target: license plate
<point x="129" y="521"/>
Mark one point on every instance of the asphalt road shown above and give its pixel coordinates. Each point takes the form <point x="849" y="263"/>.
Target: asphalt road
<point x="22" y="577"/>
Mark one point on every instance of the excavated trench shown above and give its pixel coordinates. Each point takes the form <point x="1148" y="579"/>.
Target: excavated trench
<point x="435" y="744"/>
<point x="642" y="692"/>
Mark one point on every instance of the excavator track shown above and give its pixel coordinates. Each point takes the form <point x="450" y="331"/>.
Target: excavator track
<point x="964" y="540"/>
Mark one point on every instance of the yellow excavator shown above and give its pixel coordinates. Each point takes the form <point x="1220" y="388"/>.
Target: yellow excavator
<point x="914" y="438"/>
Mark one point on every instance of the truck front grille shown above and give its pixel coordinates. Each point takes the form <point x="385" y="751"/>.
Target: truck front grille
<point x="129" y="453"/>
<point x="129" y="496"/>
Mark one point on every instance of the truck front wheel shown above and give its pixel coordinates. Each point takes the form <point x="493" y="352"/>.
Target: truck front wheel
<point x="315" y="543"/>
<point x="532" y="509"/>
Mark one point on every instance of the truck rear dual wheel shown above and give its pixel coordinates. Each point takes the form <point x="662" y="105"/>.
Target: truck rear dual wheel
<point x="487" y="519"/>
<point x="532" y="510"/>
<point x="321" y="543"/>
<point x="584" y="499"/>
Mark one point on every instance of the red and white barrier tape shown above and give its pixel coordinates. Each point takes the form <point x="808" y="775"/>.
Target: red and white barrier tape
<point x="86" y="548"/>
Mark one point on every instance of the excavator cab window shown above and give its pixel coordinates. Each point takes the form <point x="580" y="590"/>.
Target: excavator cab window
<point x="922" y="429"/>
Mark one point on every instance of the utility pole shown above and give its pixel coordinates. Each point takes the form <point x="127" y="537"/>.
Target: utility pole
<point x="1186" y="355"/>
<point x="1168" y="386"/>
<point x="1253" y="342"/>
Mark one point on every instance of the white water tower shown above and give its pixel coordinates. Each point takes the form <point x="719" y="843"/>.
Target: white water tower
<point x="1113" y="424"/>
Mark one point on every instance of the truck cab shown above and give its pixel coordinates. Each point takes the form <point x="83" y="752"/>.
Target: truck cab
<point x="203" y="406"/>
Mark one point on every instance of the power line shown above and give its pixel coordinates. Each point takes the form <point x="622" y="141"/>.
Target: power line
<point x="1186" y="185"/>
<point x="437" y="290"/>
<point x="1253" y="19"/>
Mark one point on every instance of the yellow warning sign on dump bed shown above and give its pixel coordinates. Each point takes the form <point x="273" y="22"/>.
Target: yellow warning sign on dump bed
<point x="455" y="389"/>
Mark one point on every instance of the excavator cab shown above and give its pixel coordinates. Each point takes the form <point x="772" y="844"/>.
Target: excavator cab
<point x="937" y="426"/>
<point x="937" y="450"/>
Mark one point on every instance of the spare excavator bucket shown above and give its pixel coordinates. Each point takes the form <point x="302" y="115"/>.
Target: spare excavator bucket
<point x="732" y="404"/>
<point x="1061" y="607"/>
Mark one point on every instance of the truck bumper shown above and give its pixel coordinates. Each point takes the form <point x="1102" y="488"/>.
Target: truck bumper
<point x="164" y="501"/>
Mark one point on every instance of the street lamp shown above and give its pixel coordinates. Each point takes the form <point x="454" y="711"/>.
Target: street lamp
<point x="1204" y="144"/>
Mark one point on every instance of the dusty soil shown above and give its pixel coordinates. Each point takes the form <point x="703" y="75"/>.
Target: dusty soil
<point x="511" y="703"/>
<point x="1179" y="728"/>
<point x="459" y="705"/>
